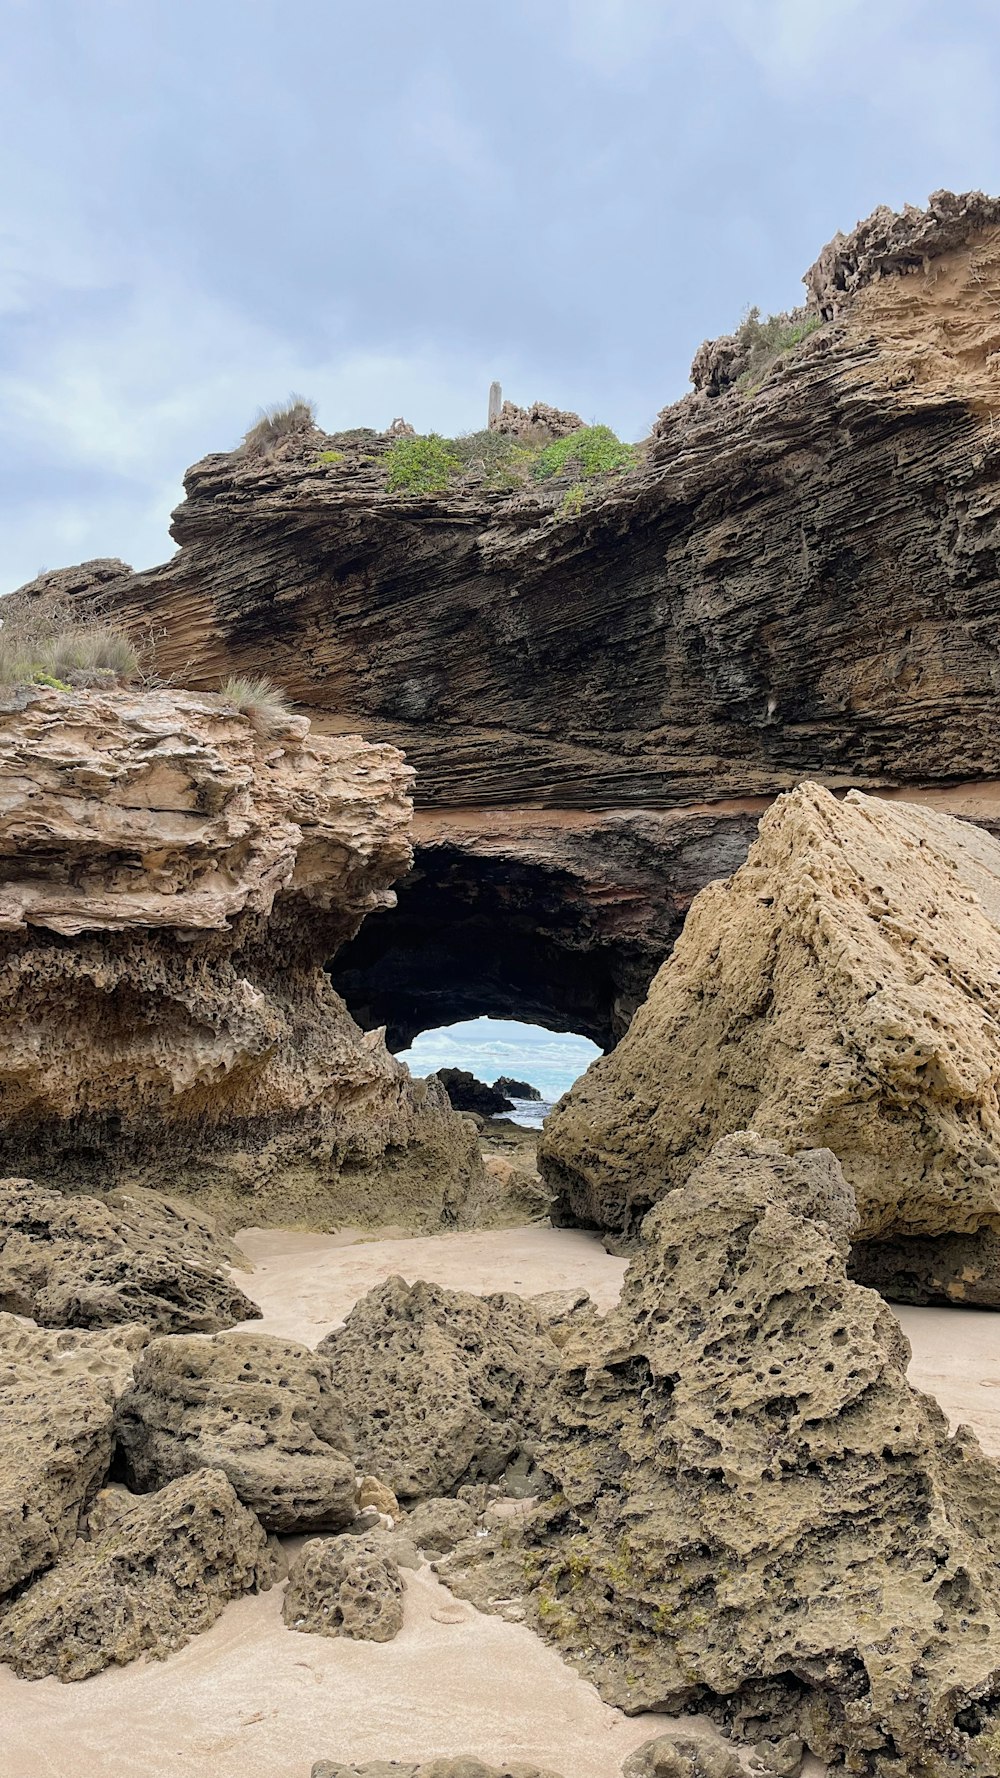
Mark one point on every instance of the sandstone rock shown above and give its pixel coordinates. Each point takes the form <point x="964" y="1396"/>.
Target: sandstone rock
<point x="188" y="1036"/>
<point x="839" y="991"/>
<point x="676" y="1755"/>
<point x="565" y="1314"/>
<point x="537" y="424"/>
<point x="757" y="1515"/>
<point x="371" y="1492"/>
<point x="344" y="1586"/>
<point x="469" y="1094"/>
<point x="151" y="1573"/>
<point x="436" y="1526"/>
<point x="888" y="243"/>
<point x="515" y="1193"/>
<point x="92" y="1262"/>
<point x="440" y="1387"/>
<point x="778" y="1759"/>
<point x="57" y="1393"/>
<point x="262" y="1409"/>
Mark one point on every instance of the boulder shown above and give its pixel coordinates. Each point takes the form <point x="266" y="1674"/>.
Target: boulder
<point x="440" y="1387"/>
<point x="516" y="1089"/>
<point x="757" y="1515"/>
<point x="345" y="1586"/>
<point x="436" y="1526"/>
<point x="469" y="1094"/>
<point x="57" y="1395"/>
<point x="676" y="1755"/>
<point x="841" y="990"/>
<point x="261" y="1409"/>
<point x="152" y="1571"/>
<point x="70" y="1261"/>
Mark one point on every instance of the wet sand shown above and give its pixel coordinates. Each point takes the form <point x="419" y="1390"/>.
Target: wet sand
<point x="252" y="1699"/>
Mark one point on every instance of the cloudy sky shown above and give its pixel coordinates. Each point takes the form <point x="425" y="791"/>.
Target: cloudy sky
<point x="549" y="1060"/>
<point x="209" y="204"/>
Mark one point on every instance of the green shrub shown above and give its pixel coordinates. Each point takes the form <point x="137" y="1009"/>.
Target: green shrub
<point x="259" y="701"/>
<point x="274" y="423"/>
<point x="762" y="343"/>
<point x="421" y="465"/>
<point x="591" y="450"/>
<point x="573" y="499"/>
<point x="330" y="457"/>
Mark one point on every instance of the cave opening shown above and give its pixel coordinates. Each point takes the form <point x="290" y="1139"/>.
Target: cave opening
<point x="508" y="1051"/>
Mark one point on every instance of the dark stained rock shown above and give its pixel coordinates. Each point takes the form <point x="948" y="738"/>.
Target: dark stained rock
<point x="440" y="1387"/>
<point x="755" y="1514"/>
<point x="261" y="1409"/>
<point x="516" y="1089"/>
<point x="152" y="1571"/>
<point x="93" y="1262"/>
<point x="469" y="1094"/>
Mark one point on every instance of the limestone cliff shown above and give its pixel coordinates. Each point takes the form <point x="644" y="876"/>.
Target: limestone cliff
<point x="172" y="883"/>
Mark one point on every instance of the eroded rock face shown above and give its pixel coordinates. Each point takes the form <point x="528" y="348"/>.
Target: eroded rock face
<point x="756" y="1514"/>
<point x="57" y="1396"/>
<point x="440" y="1387"/>
<point x="95" y="1262"/>
<point x="172" y="882"/>
<point x="261" y="1409"/>
<point x="344" y="1586"/>
<point x="535" y="424"/>
<point x="683" y="1756"/>
<point x="889" y="242"/>
<point x="839" y="991"/>
<point x="151" y="1573"/>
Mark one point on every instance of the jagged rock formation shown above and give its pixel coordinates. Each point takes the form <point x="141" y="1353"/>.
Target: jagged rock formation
<point x="150" y="1574"/>
<point x="755" y="1514"/>
<point x="539" y="422"/>
<point x="466" y="1093"/>
<point x="840" y="991"/>
<point x="96" y="1262"/>
<point x="172" y="882"/>
<point x="57" y="1396"/>
<point x="516" y="1089"/>
<point x="888" y="243"/>
<point x="344" y="1586"/>
<point x="440" y="1387"/>
<point x="262" y="1409"/>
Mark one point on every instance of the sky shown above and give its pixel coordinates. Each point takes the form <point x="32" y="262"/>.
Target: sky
<point x="208" y="205"/>
<point x="548" y="1060"/>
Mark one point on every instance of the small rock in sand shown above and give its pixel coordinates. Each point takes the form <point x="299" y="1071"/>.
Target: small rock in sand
<point x="344" y="1586"/>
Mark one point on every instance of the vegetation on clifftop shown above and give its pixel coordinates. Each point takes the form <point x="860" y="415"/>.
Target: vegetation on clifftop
<point x="428" y="465"/>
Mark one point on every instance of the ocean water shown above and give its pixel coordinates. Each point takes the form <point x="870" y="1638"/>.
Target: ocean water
<point x="530" y="1113"/>
<point x="549" y="1060"/>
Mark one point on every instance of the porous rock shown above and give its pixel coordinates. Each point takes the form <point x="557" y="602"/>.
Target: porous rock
<point x="841" y="990"/>
<point x="462" y="1766"/>
<point x="152" y="1571"/>
<point x="371" y="1492"/>
<point x="57" y="1395"/>
<point x="262" y="1409"/>
<point x="345" y="1586"/>
<point x="440" y="1387"/>
<point x="757" y="1515"/>
<point x="436" y="1526"/>
<point x="676" y="1755"/>
<point x="73" y="1261"/>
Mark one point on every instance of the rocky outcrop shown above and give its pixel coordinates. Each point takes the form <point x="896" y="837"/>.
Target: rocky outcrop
<point x="889" y="242"/>
<point x="440" y="1387"/>
<point x="344" y="1586"/>
<point x="516" y="1089"/>
<point x="96" y="1262"/>
<point x="57" y="1396"/>
<point x="172" y="882"/>
<point x="466" y="1093"/>
<point x="838" y="991"/>
<point x="150" y="1573"/>
<point x="262" y="1409"/>
<point x="755" y="1514"/>
<point x="534" y="424"/>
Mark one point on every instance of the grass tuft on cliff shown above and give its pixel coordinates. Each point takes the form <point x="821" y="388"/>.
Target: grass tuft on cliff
<point x="76" y="655"/>
<point x="275" y="423"/>
<point x="260" y="701"/>
<point x="592" y="450"/>
<point x="762" y="343"/>
<point x="422" y="465"/>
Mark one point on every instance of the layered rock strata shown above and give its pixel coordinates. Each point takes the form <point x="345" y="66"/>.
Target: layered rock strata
<point x="96" y="1262"/>
<point x="755" y="1514"/>
<point x="261" y="1409"/>
<point x="150" y="1573"/>
<point x="440" y="1387"/>
<point x="840" y="990"/>
<point x="172" y="881"/>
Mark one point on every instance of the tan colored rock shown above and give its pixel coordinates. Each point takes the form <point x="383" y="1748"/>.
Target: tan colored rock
<point x="94" y="1262"/>
<point x="57" y="1394"/>
<point x="677" y="1755"/>
<point x="261" y="1409"/>
<point x="373" y="1493"/>
<point x="344" y="1586"/>
<point x="188" y="1037"/>
<point x="152" y="1572"/>
<point x="756" y="1514"/>
<point x="537" y="424"/>
<point x="840" y="991"/>
<point x="440" y="1387"/>
<point x="436" y="1526"/>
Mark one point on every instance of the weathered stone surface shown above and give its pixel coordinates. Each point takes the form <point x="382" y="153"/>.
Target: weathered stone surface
<point x="535" y="424"/>
<point x="756" y="1514"/>
<point x="172" y="883"/>
<point x="889" y="242"/>
<point x="464" y="1766"/>
<point x="678" y="1755"/>
<point x="839" y="991"/>
<point x="57" y="1394"/>
<point x="440" y="1387"/>
<point x="94" y="1262"/>
<point x="516" y="1089"/>
<point x="370" y="1492"/>
<point x="469" y="1094"/>
<point x="437" y="1525"/>
<point x="262" y="1409"/>
<point x="151" y="1573"/>
<point x="345" y="1586"/>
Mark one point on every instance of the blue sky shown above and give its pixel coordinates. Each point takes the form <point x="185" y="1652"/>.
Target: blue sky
<point x="549" y="1060"/>
<point x="208" y="204"/>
